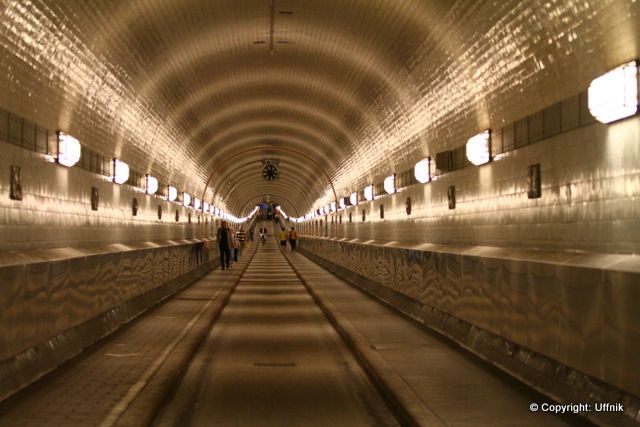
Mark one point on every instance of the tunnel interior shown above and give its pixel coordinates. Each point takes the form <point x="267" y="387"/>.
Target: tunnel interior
<point x="448" y="156"/>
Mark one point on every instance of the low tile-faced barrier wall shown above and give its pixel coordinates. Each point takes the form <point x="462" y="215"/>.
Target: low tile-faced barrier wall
<point x="577" y="313"/>
<point x="54" y="303"/>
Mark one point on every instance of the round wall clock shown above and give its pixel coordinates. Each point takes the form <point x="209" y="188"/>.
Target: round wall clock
<point x="270" y="172"/>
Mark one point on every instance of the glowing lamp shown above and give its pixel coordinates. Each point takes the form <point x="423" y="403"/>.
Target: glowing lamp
<point x="390" y="184"/>
<point x="368" y="192"/>
<point x="353" y="198"/>
<point x="479" y="148"/>
<point x="186" y="199"/>
<point x="120" y="171"/>
<point x="422" y="170"/>
<point x="68" y="150"/>
<point x="614" y="95"/>
<point x="172" y="193"/>
<point x="151" y="184"/>
<point x="197" y="203"/>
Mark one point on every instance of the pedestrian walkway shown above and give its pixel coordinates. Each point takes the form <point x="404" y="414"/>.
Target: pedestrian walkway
<point x="123" y="379"/>
<point x="273" y="359"/>
<point x="250" y="347"/>
<point x="421" y="367"/>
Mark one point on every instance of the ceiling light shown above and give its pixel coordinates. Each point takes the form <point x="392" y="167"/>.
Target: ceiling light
<point x="68" y="150"/>
<point x="390" y="184"/>
<point x="120" y="171"/>
<point x="614" y="95"/>
<point x="479" y="148"/>
<point x="422" y="170"/>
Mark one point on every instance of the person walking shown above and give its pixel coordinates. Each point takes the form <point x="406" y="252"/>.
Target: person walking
<point x="234" y="246"/>
<point x="225" y="244"/>
<point x="241" y="236"/>
<point x="283" y="239"/>
<point x="293" y="238"/>
<point x="263" y="236"/>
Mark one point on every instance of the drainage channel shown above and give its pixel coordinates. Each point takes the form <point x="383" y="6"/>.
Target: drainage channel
<point x="273" y="359"/>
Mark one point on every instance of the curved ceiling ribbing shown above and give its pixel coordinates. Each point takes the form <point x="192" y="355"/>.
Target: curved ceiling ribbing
<point x="245" y="179"/>
<point x="304" y="111"/>
<point x="177" y="87"/>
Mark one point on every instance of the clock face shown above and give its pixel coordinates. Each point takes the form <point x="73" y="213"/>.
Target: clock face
<point x="270" y="172"/>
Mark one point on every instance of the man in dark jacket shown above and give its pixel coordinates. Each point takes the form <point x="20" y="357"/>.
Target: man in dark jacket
<point x="225" y="244"/>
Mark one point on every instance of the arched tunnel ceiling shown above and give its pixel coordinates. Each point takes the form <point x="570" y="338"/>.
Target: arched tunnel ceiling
<point x="338" y="91"/>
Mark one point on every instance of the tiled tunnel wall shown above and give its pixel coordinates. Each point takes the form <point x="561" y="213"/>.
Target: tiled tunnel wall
<point x="54" y="303"/>
<point x="589" y="177"/>
<point x="575" y="309"/>
<point x="590" y="187"/>
<point x="55" y="210"/>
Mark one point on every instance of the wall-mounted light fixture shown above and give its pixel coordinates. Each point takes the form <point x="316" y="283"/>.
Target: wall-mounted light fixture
<point x="172" y="193"/>
<point x="353" y="198"/>
<point x="186" y="199"/>
<point x="368" y="192"/>
<point x="451" y="196"/>
<point x="95" y="198"/>
<point x="151" y="184"/>
<point x="614" y="95"/>
<point x="534" y="181"/>
<point x="69" y="150"/>
<point x="479" y="148"/>
<point x="422" y="170"/>
<point x="120" y="171"/>
<point x="15" y="183"/>
<point x="390" y="184"/>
